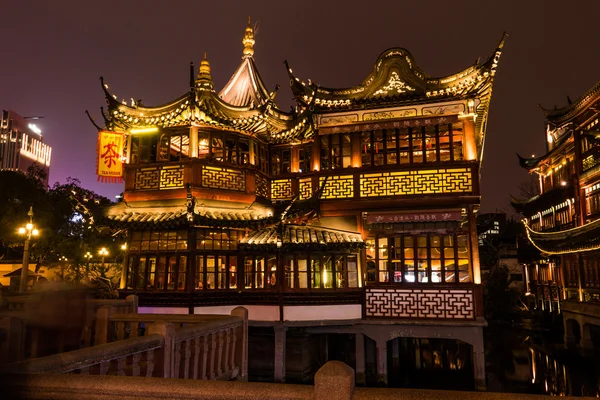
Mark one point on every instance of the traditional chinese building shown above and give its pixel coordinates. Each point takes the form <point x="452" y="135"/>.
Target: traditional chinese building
<point x="346" y="227"/>
<point x="22" y="144"/>
<point x="563" y="220"/>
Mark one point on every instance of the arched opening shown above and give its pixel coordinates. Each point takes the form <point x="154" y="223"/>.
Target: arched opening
<point x="430" y="363"/>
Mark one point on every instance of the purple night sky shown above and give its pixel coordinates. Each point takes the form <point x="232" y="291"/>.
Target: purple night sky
<point x="55" y="51"/>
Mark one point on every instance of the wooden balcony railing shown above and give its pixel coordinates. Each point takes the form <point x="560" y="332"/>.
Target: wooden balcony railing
<point x="349" y="183"/>
<point x="168" y="346"/>
<point x="426" y="302"/>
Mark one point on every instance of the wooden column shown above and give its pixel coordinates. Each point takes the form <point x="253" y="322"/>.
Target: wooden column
<point x="279" y="362"/>
<point x="356" y="154"/>
<point x="316" y="158"/>
<point x="469" y="141"/>
<point x="194" y="142"/>
<point x="474" y="245"/>
<point x="295" y="160"/>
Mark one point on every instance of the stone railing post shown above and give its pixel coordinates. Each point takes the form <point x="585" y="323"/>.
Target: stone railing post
<point x="12" y="334"/>
<point x="164" y="361"/>
<point x="132" y="301"/>
<point x="102" y="325"/>
<point x="241" y="343"/>
<point x="334" y="381"/>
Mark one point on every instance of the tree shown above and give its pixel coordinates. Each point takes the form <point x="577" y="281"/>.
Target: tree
<point x="500" y="299"/>
<point x="65" y="215"/>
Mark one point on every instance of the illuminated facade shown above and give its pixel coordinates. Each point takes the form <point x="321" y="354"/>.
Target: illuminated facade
<point x="357" y="207"/>
<point x="21" y="144"/>
<point x="563" y="222"/>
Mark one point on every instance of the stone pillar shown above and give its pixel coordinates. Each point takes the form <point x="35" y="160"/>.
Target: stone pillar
<point x="279" y="363"/>
<point x="382" y="376"/>
<point x="479" y="362"/>
<point x="395" y="353"/>
<point x="586" y="337"/>
<point x="360" y="359"/>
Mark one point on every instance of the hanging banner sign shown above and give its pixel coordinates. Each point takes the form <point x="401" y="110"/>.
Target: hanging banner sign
<point x="109" y="165"/>
<point x="425" y="216"/>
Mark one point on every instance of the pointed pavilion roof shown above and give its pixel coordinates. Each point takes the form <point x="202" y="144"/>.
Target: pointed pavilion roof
<point x="244" y="106"/>
<point x="246" y="88"/>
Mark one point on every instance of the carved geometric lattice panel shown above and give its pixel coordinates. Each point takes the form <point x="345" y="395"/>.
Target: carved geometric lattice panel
<point x="171" y="177"/>
<point x="223" y="178"/>
<point x="419" y="303"/>
<point x="337" y="187"/>
<point x="281" y="189"/>
<point x="305" y="187"/>
<point x="147" y="178"/>
<point x="262" y="188"/>
<point x="455" y="180"/>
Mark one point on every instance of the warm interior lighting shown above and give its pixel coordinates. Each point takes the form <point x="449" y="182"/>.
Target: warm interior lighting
<point x="143" y="130"/>
<point x="124" y="246"/>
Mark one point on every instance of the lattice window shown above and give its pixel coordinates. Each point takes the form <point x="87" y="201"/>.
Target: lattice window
<point x="147" y="178"/>
<point x="223" y="178"/>
<point x="337" y="187"/>
<point x="171" y="177"/>
<point x="420" y="303"/>
<point x="456" y="180"/>
<point x="281" y="189"/>
<point x="305" y="185"/>
<point x="262" y="186"/>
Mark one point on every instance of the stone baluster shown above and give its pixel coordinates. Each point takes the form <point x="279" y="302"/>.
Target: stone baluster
<point x="219" y="369"/>
<point x="211" y="362"/>
<point x="227" y="334"/>
<point x="205" y="351"/>
<point x="196" y="361"/>
<point x="185" y="374"/>
<point x="177" y="360"/>
<point x="149" y="363"/>
<point x="135" y="364"/>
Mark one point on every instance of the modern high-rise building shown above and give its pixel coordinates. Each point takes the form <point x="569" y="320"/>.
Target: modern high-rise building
<point x="22" y="145"/>
<point x="346" y="227"/>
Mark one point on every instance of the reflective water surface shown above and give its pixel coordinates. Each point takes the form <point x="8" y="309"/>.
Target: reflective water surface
<point x="525" y="361"/>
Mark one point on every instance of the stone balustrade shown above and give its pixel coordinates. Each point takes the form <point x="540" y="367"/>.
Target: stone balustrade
<point x="334" y="381"/>
<point x="207" y="347"/>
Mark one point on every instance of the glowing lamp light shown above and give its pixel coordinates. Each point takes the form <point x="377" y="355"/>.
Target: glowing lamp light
<point x="29" y="226"/>
<point x="563" y="183"/>
<point x="103" y="252"/>
<point x="124" y="246"/>
<point x="35" y="232"/>
<point x="22" y="231"/>
<point x="143" y="130"/>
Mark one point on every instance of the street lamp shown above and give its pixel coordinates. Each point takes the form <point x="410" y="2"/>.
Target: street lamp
<point x="88" y="257"/>
<point x="29" y="230"/>
<point x="103" y="252"/>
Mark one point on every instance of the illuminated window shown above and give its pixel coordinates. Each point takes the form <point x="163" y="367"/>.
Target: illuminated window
<point x="424" y="258"/>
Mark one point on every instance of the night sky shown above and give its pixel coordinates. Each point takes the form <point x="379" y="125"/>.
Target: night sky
<point x="53" y="53"/>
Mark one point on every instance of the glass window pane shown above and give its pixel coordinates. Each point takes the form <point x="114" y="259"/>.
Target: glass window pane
<point x="199" y="272"/>
<point x="352" y="266"/>
<point x="315" y="273"/>
<point x="302" y="272"/>
<point x="233" y="272"/>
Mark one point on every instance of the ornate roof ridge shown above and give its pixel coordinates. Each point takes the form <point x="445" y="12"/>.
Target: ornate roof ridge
<point x="561" y="115"/>
<point x="245" y="87"/>
<point x="395" y="72"/>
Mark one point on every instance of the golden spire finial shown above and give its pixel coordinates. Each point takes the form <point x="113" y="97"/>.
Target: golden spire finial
<point x="204" y="66"/>
<point x="248" y="40"/>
